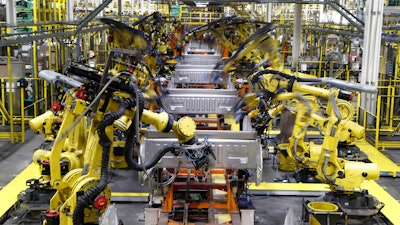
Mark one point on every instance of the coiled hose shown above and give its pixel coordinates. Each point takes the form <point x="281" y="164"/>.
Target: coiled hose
<point x="294" y="153"/>
<point x="326" y="160"/>
<point x="336" y="110"/>
<point x="105" y="142"/>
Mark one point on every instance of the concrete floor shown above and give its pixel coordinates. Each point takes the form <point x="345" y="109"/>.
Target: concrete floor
<point x="14" y="157"/>
<point x="270" y="210"/>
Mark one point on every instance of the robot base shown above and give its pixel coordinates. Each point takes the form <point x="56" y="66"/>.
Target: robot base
<point x="339" y="208"/>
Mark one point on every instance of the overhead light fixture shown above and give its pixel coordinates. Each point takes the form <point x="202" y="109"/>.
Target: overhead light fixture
<point x="201" y="4"/>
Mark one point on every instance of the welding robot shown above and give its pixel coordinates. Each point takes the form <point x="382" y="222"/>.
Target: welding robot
<point x="80" y="176"/>
<point x="277" y="92"/>
<point x="77" y="166"/>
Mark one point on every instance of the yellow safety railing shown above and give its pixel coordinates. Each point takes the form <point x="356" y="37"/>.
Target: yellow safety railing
<point x="198" y="18"/>
<point x="16" y="108"/>
<point x="364" y="119"/>
<point x="383" y="125"/>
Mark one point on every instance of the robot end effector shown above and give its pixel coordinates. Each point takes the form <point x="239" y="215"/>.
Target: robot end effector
<point x="199" y="153"/>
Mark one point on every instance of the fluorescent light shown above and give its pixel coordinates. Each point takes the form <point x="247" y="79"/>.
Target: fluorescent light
<point x="201" y="4"/>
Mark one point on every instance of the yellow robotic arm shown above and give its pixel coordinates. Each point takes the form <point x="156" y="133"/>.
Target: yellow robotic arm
<point x="82" y="192"/>
<point x="184" y="129"/>
<point x="340" y="174"/>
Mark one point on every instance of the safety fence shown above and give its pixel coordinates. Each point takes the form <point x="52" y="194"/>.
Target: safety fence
<point x="21" y="100"/>
<point x="199" y="18"/>
<point x="382" y="126"/>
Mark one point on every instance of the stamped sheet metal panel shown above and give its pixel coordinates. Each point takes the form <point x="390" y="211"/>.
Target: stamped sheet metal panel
<point x="200" y="101"/>
<point x="200" y="59"/>
<point x="197" y="74"/>
<point x="232" y="149"/>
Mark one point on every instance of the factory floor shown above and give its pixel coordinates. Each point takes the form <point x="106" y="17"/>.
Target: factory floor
<point x="269" y="209"/>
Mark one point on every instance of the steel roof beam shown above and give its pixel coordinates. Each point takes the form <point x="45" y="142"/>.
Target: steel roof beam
<point x="346" y="14"/>
<point x="385" y="38"/>
<point x="92" y="15"/>
<point x="28" y="39"/>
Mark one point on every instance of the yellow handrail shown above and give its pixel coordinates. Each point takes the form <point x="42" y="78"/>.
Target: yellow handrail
<point x="4" y="112"/>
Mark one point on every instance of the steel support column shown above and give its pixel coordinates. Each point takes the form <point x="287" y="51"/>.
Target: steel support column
<point x="120" y="10"/>
<point x="296" y="34"/>
<point x="269" y="12"/>
<point x="11" y="16"/>
<point x="372" y="50"/>
<point x="70" y="11"/>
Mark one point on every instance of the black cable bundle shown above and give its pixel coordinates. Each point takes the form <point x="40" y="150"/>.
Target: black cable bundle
<point x="105" y="142"/>
<point x="130" y="141"/>
<point x="152" y="162"/>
